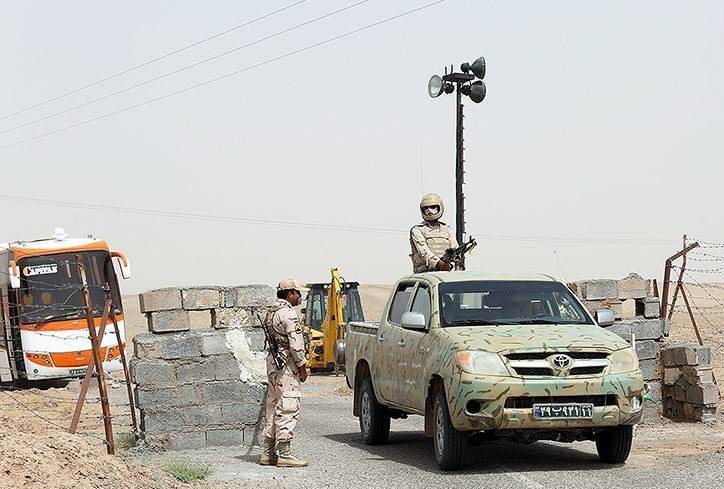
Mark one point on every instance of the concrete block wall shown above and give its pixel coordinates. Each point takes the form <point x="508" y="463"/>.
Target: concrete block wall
<point x="629" y="298"/>
<point x="201" y="387"/>
<point x="688" y="389"/>
<point x="637" y="313"/>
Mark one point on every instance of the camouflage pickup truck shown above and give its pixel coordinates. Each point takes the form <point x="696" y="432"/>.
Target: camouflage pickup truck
<point x="496" y="356"/>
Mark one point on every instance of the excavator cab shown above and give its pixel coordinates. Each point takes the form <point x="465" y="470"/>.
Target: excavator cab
<point x="316" y="304"/>
<point x="326" y="313"/>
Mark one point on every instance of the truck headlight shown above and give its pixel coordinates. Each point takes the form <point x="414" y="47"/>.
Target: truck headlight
<point x="481" y="362"/>
<point x="624" y="361"/>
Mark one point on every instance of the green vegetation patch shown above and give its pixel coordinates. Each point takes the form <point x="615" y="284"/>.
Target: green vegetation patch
<point x="186" y="471"/>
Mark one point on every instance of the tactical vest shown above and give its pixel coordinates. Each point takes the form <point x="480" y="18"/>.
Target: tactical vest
<point x="282" y="340"/>
<point x="438" y="240"/>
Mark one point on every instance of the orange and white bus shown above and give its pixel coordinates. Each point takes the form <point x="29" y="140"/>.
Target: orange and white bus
<point x="44" y="332"/>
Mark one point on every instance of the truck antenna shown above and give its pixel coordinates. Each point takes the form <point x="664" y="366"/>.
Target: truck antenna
<point x="555" y="253"/>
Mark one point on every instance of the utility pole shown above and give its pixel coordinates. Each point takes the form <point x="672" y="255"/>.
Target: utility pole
<point x="463" y="84"/>
<point x="459" y="172"/>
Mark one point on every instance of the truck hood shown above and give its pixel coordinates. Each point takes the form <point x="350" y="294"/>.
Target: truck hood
<point x="535" y="337"/>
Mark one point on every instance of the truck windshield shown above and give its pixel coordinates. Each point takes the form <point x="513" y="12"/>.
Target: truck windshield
<point x="50" y="286"/>
<point x="508" y="302"/>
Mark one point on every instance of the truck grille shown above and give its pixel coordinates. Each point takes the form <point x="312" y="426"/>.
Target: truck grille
<point x="586" y="370"/>
<point x="541" y="363"/>
<point x="542" y="355"/>
<point x="527" y="402"/>
<point x="533" y="371"/>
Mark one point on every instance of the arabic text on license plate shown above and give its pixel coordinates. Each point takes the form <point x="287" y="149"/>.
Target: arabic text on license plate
<point x="77" y="371"/>
<point x="563" y="411"/>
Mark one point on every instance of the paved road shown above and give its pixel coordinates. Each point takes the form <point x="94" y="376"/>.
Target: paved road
<point x="328" y="435"/>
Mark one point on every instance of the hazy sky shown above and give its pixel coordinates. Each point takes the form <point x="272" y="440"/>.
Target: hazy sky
<point x="603" y="121"/>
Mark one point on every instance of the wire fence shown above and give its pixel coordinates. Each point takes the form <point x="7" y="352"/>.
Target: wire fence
<point x="703" y="285"/>
<point x="54" y="407"/>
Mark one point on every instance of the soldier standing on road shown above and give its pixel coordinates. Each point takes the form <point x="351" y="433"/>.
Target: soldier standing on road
<point x="283" y="395"/>
<point x="430" y="239"/>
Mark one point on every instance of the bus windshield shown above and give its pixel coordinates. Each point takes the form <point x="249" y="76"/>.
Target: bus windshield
<point x="490" y="303"/>
<point x="50" y="286"/>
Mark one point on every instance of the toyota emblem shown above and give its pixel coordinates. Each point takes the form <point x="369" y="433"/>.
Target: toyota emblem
<point x="561" y="361"/>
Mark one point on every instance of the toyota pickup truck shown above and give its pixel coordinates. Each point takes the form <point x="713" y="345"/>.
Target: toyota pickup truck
<point x="517" y="357"/>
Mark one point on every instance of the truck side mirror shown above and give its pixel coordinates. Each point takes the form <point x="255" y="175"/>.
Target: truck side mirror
<point x="604" y="317"/>
<point x="14" y="274"/>
<point x="123" y="263"/>
<point x="414" y="320"/>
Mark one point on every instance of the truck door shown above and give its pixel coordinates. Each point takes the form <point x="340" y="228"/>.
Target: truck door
<point x="387" y="370"/>
<point x="414" y="347"/>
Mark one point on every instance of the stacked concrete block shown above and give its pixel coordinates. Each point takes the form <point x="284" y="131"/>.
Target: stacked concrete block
<point x="633" y="287"/>
<point x="201" y="298"/>
<point x="160" y="300"/>
<point x="167" y="310"/>
<point x="637" y="316"/>
<point x="688" y="390"/>
<point x="628" y="298"/>
<point x="196" y="388"/>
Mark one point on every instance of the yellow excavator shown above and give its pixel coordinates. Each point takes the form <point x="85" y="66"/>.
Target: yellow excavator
<point x="329" y="307"/>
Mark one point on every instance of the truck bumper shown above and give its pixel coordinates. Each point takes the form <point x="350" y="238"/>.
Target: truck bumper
<point x="489" y="403"/>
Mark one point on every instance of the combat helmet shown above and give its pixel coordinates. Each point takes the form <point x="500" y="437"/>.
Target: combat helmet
<point x="432" y="200"/>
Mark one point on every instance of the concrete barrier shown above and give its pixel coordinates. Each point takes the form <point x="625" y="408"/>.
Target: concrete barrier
<point x="197" y="388"/>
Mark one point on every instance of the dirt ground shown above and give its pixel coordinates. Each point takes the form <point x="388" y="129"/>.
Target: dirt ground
<point x="37" y="451"/>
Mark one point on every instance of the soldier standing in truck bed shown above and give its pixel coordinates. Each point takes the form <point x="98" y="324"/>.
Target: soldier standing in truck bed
<point x="430" y="239"/>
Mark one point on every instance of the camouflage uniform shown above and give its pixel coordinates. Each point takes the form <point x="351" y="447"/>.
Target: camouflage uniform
<point x="282" y="400"/>
<point x="428" y="242"/>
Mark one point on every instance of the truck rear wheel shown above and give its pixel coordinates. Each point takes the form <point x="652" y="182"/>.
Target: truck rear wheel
<point x="614" y="444"/>
<point x="449" y="443"/>
<point x="374" y="422"/>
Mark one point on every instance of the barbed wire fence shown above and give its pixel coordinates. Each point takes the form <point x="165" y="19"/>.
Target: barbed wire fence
<point x="700" y="286"/>
<point x="54" y="406"/>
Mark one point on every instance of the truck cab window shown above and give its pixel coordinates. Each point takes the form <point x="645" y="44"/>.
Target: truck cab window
<point x="399" y="302"/>
<point x="421" y="303"/>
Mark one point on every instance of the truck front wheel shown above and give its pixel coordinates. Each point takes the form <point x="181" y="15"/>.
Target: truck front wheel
<point x="614" y="444"/>
<point x="449" y="443"/>
<point x="374" y="422"/>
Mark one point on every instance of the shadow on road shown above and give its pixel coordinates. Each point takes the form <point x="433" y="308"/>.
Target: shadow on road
<point x="415" y="450"/>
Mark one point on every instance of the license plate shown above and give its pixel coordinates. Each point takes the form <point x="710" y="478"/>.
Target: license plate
<point x="563" y="411"/>
<point x="77" y="371"/>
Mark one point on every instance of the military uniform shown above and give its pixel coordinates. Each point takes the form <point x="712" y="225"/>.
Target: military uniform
<point x="283" y="395"/>
<point x="428" y="243"/>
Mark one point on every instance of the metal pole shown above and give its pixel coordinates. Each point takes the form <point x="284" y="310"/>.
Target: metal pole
<point x="122" y="348"/>
<point x="459" y="174"/>
<point x="96" y="345"/>
<point x="88" y="373"/>
<point x="678" y="282"/>
<point x="667" y="277"/>
<point x="665" y="291"/>
<point x="691" y="316"/>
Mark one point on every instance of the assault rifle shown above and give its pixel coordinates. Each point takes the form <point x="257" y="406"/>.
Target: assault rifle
<point x="271" y="344"/>
<point x="453" y="257"/>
